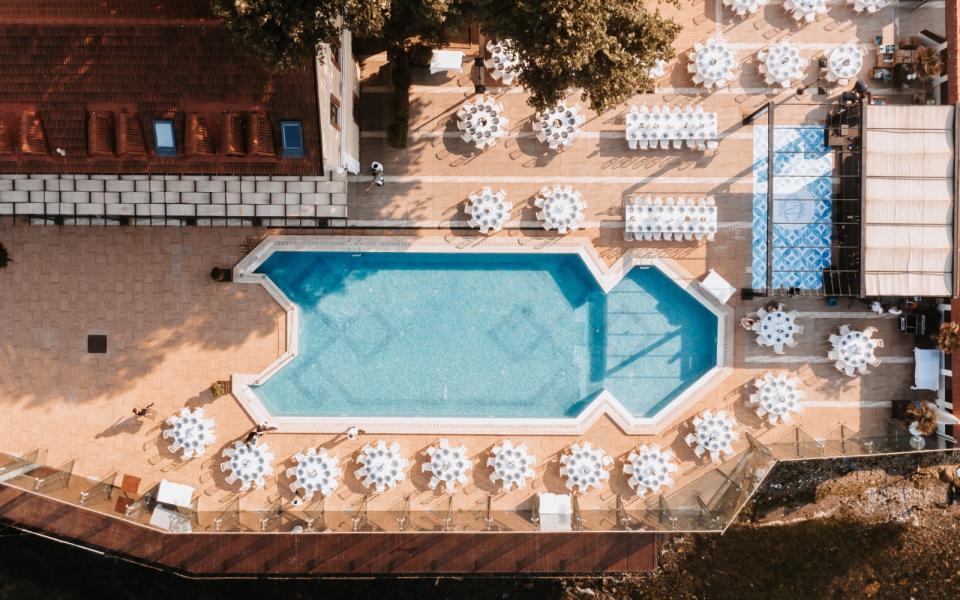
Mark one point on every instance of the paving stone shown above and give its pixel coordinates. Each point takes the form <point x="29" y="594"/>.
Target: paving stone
<point x="134" y="197"/>
<point x="241" y="210"/>
<point x="181" y="210"/>
<point x="29" y="185"/>
<point x="301" y="187"/>
<point x="211" y="210"/>
<point x="76" y="197"/>
<point x="89" y="185"/>
<point x="211" y="186"/>
<point x="180" y="186"/>
<point x="120" y="185"/>
<point x="149" y="185"/>
<point x="121" y="210"/>
<point x="270" y="210"/>
<point x="195" y="198"/>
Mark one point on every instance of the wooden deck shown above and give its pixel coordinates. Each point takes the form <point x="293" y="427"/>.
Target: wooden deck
<point x="327" y="554"/>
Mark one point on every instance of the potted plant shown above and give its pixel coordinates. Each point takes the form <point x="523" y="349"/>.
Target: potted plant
<point x="925" y="418"/>
<point x="219" y="388"/>
<point x="949" y="337"/>
<point x="221" y="275"/>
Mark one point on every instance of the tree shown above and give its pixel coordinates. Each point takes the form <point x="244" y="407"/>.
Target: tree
<point x="603" y="47"/>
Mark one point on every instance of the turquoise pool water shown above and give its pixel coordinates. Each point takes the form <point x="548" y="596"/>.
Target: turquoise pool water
<point x="481" y="335"/>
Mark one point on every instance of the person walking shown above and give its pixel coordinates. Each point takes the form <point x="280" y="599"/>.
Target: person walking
<point x="144" y="411"/>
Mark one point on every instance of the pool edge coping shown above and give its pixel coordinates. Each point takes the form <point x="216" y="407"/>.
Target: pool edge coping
<point x="607" y="278"/>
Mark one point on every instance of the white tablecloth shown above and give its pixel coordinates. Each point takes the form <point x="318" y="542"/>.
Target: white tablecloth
<point x="677" y="219"/>
<point x="776" y="328"/>
<point x="447" y="465"/>
<point x="482" y="122"/>
<point x="649" y="468"/>
<point x="853" y="351"/>
<point x="781" y="64"/>
<point x="805" y="10"/>
<point x="488" y="210"/>
<point x="647" y="127"/>
<point x="585" y="467"/>
<point x="844" y="63"/>
<point x="381" y="466"/>
<point x="777" y="397"/>
<point x="176" y="494"/>
<point x="744" y="7"/>
<point x="315" y="472"/>
<point x="503" y="62"/>
<point x="713" y="63"/>
<point x="559" y="126"/>
<point x="249" y="464"/>
<point x="713" y="434"/>
<point x="190" y="432"/>
<point x="658" y="69"/>
<point x="511" y="464"/>
<point x="871" y="6"/>
<point x="561" y="208"/>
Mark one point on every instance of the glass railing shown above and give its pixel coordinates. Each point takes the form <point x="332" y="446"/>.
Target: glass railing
<point x="707" y="502"/>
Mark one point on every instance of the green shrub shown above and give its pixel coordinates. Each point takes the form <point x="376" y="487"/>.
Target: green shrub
<point x="218" y="388"/>
<point x="400" y="59"/>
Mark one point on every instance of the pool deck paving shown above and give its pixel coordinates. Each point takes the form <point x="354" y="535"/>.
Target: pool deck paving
<point x="172" y="331"/>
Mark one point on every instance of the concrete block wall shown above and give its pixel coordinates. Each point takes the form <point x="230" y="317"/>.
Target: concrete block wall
<point x="172" y="200"/>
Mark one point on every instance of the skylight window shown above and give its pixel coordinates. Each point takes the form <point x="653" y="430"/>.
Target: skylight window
<point x="292" y="135"/>
<point x="163" y="134"/>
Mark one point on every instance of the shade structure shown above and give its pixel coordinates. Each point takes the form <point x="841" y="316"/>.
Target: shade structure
<point x="649" y="468"/>
<point x="504" y="62"/>
<point x="844" y="63"/>
<point x="381" y="466"/>
<point x="559" y="125"/>
<point x="250" y="464"/>
<point x="713" y="63"/>
<point x="672" y="219"/>
<point x="781" y="63"/>
<point x="777" y="397"/>
<point x="315" y="472"/>
<point x="718" y="287"/>
<point x="714" y="434"/>
<point x="190" y="432"/>
<point x="512" y="465"/>
<point x="585" y="467"/>
<point x="666" y="127"/>
<point x="777" y="328"/>
<point x="482" y="122"/>
<point x="853" y="351"/>
<point x="908" y="200"/>
<point x="561" y="208"/>
<point x="489" y="211"/>
<point x="805" y="11"/>
<point x="447" y="465"/>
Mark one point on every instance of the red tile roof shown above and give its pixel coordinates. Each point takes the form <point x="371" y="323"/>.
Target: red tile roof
<point x="91" y="82"/>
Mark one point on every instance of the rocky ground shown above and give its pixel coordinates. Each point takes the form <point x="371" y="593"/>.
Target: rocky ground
<point x="872" y="528"/>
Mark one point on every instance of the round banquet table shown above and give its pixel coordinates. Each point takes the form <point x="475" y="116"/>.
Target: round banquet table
<point x="782" y="63"/>
<point x="584" y="467"/>
<point x="713" y="434"/>
<point x="561" y="208"/>
<point x="871" y="6"/>
<point x="777" y="397"/>
<point x="488" y="210"/>
<point x="447" y="464"/>
<point x="744" y="7"/>
<point x="503" y="62"/>
<point x="317" y="472"/>
<point x="482" y="123"/>
<point x="251" y="464"/>
<point x="559" y="126"/>
<point x="511" y="464"/>
<point x="649" y="468"/>
<point x="381" y="466"/>
<point x="714" y="62"/>
<point x="806" y="10"/>
<point x="776" y="328"/>
<point x="191" y="432"/>
<point x="844" y="62"/>
<point x="855" y="351"/>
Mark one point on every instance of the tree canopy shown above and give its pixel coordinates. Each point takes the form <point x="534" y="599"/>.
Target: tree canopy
<point x="603" y="47"/>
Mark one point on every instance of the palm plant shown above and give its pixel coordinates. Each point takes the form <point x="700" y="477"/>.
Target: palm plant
<point x="928" y="63"/>
<point x="949" y="337"/>
<point x="925" y="417"/>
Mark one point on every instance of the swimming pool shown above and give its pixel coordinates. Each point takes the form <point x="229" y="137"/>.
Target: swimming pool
<point x="504" y="335"/>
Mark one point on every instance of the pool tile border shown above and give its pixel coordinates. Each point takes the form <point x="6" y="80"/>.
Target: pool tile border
<point x="605" y="404"/>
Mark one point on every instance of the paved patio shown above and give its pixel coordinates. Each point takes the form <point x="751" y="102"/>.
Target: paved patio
<point x="172" y="331"/>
